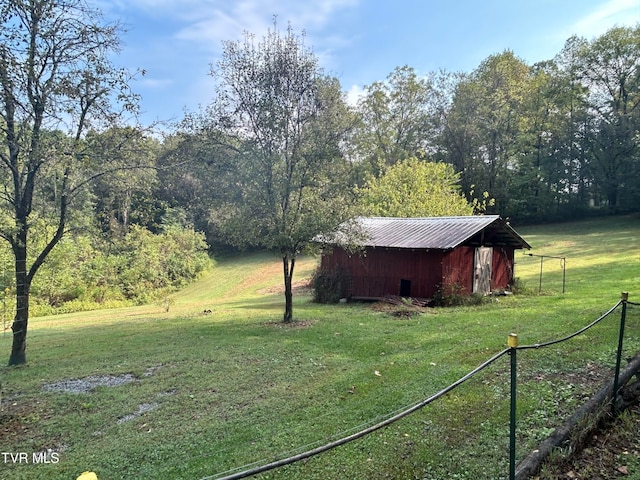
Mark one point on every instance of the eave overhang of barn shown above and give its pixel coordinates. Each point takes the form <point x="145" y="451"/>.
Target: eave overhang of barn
<point x="439" y="233"/>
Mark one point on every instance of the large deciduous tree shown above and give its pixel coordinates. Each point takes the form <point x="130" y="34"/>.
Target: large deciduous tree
<point x="55" y="76"/>
<point x="547" y="183"/>
<point x="488" y="113"/>
<point x="125" y="196"/>
<point x="287" y="122"/>
<point x="609" y="66"/>
<point x="396" y="118"/>
<point x="510" y="129"/>
<point x="416" y="188"/>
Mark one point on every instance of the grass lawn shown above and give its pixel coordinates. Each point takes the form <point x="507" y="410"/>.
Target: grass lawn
<point x="206" y="393"/>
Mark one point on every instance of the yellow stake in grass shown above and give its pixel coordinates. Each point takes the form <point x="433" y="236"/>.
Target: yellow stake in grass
<point x="87" y="476"/>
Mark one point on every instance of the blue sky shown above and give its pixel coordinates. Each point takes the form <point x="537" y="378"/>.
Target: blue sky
<point x="358" y="41"/>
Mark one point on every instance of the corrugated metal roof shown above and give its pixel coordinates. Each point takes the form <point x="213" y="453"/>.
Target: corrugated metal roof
<point x="439" y="233"/>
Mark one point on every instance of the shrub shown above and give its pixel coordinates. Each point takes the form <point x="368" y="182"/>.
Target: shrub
<point x="455" y="295"/>
<point x="86" y="272"/>
<point x="331" y="286"/>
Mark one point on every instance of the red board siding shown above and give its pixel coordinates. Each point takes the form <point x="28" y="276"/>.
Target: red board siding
<point x="502" y="267"/>
<point x="458" y="268"/>
<point x="381" y="271"/>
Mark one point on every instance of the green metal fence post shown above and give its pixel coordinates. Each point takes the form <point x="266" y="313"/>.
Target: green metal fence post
<point x="540" y="286"/>
<point x="616" y="378"/>
<point x="512" y="342"/>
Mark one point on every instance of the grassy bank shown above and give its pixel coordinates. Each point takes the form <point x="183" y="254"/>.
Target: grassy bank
<point x="215" y="391"/>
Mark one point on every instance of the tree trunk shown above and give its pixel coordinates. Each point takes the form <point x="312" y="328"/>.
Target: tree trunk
<point x="288" y="263"/>
<point x="612" y="196"/>
<point x="20" y="321"/>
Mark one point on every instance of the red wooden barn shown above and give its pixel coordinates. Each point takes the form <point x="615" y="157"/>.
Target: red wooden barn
<point x="416" y="257"/>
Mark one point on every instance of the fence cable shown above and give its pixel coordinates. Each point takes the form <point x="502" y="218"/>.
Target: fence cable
<point x="362" y="433"/>
<point x="575" y="334"/>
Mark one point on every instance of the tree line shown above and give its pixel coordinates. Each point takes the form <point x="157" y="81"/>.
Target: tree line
<point x="279" y="156"/>
<point x="551" y="141"/>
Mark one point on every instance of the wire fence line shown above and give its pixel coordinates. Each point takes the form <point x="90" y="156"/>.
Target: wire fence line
<point x="551" y="271"/>
<point x="255" y="468"/>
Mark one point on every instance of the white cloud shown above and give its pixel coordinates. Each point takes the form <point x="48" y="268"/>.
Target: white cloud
<point x="200" y="26"/>
<point x="354" y="94"/>
<point x="610" y="13"/>
<point x="214" y="21"/>
<point x="176" y="40"/>
<point x="218" y="24"/>
<point x="202" y="19"/>
<point x="156" y="83"/>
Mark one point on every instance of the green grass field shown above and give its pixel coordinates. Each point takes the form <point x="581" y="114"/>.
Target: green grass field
<point x="214" y="392"/>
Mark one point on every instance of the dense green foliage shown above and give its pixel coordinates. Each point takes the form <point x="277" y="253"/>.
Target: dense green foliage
<point x="395" y="119"/>
<point x="86" y="272"/>
<point x="554" y="139"/>
<point x="547" y="142"/>
<point x="414" y="188"/>
<point x="330" y="287"/>
<point x="58" y="84"/>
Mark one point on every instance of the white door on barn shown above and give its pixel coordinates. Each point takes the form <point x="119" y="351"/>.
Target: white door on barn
<point x="482" y="270"/>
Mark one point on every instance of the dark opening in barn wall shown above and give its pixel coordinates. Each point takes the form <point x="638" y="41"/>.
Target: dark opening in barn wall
<point x="405" y="288"/>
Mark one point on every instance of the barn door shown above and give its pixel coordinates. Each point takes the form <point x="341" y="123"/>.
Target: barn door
<point x="482" y="270"/>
